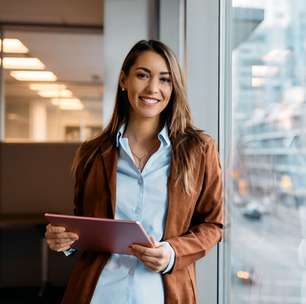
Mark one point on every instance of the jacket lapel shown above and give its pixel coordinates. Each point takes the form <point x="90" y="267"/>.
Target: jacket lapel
<point x="110" y="159"/>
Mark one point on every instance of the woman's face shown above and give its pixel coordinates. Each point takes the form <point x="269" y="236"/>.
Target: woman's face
<point x="148" y="86"/>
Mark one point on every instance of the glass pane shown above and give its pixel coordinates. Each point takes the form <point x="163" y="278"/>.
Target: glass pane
<point x="53" y="86"/>
<point x="268" y="201"/>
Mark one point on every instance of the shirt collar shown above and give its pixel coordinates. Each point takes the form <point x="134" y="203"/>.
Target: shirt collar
<point x="163" y="135"/>
<point x="119" y="134"/>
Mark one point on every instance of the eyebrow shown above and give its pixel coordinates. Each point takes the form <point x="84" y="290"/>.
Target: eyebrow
<point x="148" y="71"/>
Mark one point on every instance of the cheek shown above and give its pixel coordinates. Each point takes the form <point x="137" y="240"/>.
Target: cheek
<point x="168" y="93"/>
<point x="132" y="96"/>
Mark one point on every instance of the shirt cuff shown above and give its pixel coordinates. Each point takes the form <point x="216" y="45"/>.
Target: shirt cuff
<point x="168" y="247"/>
<point x="70" y="251"/>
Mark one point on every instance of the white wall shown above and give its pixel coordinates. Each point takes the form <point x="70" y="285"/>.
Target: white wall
<point x="202" y="50"/>
<point x="172" y="26"/>
<point x="125" y="22"/>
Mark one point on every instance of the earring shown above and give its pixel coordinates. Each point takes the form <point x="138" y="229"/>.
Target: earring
<point x="122" y="89"/>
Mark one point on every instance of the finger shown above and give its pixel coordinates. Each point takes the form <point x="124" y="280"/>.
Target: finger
<point x="58" y="246"/>
<point x="152" y="267"/>
<point x="154" y="252"/>
<point x="63" y="248"/>
<point x="52" y="228"/>
<point x="64" y="241"/>
<point x="152" y="260"/>
<point x="63" y="235"/>
<point x="153" y="240"/>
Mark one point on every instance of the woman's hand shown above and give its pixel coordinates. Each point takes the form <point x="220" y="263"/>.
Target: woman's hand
<point x="156" y="258"/>
<point x="58" y="238"/>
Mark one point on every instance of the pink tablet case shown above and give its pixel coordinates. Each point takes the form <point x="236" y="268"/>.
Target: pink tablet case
<point x="106" y="235"/>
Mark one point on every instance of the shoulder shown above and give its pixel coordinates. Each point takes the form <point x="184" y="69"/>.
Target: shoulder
<point x="202" y="140"/>
<point x="98" y="144"/>
<point x="207" y="140"/>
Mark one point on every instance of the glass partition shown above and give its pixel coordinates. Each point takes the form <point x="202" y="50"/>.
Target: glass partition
<point x="268" y="174"/>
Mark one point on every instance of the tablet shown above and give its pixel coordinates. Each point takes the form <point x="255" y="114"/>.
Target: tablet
<point x="103" y="235"/>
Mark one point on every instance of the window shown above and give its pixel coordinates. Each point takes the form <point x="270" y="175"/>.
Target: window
<point x="268" y="198"/>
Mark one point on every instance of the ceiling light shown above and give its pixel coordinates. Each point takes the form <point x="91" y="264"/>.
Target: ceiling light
<point x="68" y="103"/>
<point x="47" y="86"/>
<point x="71" y="107"/>
<point x="13" y="46"/>
<point x="22" y="63"/>
<point x="55" y="93"/>
<point x="33" y="75"/>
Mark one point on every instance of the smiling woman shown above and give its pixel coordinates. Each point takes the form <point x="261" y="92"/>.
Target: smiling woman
<point x="148" y="85"/>
<point x="148" y="163"/>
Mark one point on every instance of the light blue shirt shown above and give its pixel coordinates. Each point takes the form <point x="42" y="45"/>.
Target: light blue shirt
<point x="141" y="196"/>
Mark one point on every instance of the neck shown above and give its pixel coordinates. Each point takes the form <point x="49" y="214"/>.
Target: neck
<point x="141" y="131"/>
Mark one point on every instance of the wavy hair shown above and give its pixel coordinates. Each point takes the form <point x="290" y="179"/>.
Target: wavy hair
<point x="186" y="140"/>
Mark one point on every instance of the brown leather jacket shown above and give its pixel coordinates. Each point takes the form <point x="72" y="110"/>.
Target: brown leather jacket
<point x="193" y="226"/>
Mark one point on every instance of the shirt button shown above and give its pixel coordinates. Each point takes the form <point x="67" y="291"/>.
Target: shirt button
<point x="140" y="181"/>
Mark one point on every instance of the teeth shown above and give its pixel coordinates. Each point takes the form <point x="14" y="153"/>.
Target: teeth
<point x="148" y="100"/>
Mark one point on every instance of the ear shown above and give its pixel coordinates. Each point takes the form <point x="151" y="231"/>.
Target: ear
<point x="122" y="80"/>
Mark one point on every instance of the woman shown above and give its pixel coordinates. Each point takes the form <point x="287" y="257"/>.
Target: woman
<point x="152" y="165"/>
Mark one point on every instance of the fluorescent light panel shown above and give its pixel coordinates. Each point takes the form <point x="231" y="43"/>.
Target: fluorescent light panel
<point x="68" y="103"/>
<point x="71" y="107"/>
<point x="12" y="45"/>
<point x="47" y="86"/>
<point x="55" y="93"/>
<point x="22" y="63"/>
<point x="33" y="75"/>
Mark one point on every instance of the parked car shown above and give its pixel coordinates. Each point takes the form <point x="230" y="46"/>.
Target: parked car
<point x="253" y="211"/>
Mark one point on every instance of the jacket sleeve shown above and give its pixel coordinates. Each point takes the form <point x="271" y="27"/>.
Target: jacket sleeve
<point x="207" y="220"/>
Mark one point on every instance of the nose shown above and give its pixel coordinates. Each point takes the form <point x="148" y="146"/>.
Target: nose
<point x="153" y="85"/>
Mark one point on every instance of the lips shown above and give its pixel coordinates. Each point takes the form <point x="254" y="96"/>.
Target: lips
<point x="149" y="101"/>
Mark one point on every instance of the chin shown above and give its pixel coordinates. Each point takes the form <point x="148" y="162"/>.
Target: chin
<point x="148" y="116"/>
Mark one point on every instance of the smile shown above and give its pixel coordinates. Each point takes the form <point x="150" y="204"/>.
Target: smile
<point x="149" y="101"/>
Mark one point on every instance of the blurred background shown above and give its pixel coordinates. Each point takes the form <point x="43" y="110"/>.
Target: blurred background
<point x="51" y="100"/>
<point x="245" y="65"/>
<point x="268" y="160"/>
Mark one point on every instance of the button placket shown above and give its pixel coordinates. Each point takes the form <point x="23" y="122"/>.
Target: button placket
<point x="139" y="207"/>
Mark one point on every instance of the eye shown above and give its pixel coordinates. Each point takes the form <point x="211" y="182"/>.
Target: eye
<point x="142" y="75"/>
<point x="165" y="79"/>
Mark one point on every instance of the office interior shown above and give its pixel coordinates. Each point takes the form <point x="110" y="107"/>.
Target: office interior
<point x="245" y="66"/>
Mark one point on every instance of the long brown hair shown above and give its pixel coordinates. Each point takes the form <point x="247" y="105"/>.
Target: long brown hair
<point x="185" y="138"/>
